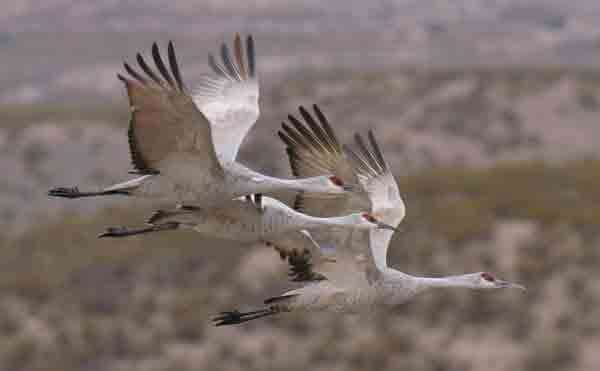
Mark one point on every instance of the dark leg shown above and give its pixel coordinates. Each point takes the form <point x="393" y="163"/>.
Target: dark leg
<point x="116" y="232"/>
<point x="258" y="202"/>
<point x="74" y="192"/>
<point x="235" y="317"/>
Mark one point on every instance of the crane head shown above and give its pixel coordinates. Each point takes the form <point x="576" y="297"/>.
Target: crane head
<point x="486" y="280"/>
<point x="337" y="181"/>
<point x="372" y="222"/>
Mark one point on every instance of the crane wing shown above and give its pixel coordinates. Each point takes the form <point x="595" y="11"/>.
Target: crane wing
<point x="339" y="255"/>
<point x="382" y="189"/>
<point x="313" y="149"/>
<point x="377" y="180"/>
<point x="344" y="267"/>
<point x="165" y="125"/>
<point x="229" y="98"/>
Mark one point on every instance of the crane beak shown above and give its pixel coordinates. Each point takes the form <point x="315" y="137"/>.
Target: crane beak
<point x="349" y="187"/>
<point x="381" y="225"/>
<point x="509" y="285"/>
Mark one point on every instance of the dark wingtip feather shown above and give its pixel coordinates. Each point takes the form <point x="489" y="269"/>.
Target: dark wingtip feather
<point x="133" y="73"/>
<point x="147" y="69"/>
<point x="175" y="65"/>
<point x="239" y="55"/>
<point x="158" y="61"/>
<point x="212" y="62"/>
<point x="377" y="150"/>
<point x="226" y="57"/>
<point x="319" y="133"/>
<point x="285" y="139"/>
<point x="251" y="55"/>
<point x="367" y="154"/>
<point x="328" y="129"/>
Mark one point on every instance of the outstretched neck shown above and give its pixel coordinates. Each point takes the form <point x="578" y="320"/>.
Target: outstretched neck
<point x="312" y="184"/>
<point x="264" y="184"/>
<point x="448" y="281"/>
<point x="399" y="286"/>
<point x="347" y="221"/>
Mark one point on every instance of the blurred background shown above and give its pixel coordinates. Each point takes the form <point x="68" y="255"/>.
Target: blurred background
<point x="487" y="110"/>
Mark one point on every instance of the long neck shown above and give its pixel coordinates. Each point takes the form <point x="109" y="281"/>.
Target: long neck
<point x="312" y="184"/>
<point x="448" y="281"/>
<point x="399" y="286"/>
<point x="347" y="221"/>
<point x="379" y="240"/>
<point x="264" y="184"/>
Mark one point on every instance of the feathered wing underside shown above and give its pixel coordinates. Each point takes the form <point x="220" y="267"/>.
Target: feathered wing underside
<point x="229" y="97"/>
<point x="382" y="189"/>
<point x="313" y="262"/>
<point x="165" y="123"/>
<point x="377" y="180"/>
<point x="344" y="257"/>
<point x="313" y="149"/>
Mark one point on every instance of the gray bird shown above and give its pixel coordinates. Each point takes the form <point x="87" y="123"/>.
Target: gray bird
<point x="347" y="271"/>
<point x="184" y="143"/>
<point x="250" y="220"/>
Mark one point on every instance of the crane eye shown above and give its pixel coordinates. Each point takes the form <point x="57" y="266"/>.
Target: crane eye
<point x="369" y="217"/>
<point x="488" y="277"/>
<point x="336" y="180"/>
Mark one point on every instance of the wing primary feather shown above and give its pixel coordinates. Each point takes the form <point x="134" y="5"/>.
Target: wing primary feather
<point x="158" y="61"/>
<point x="289" y="142"/>
<point x="295" y="136"/>
<point x="360" y="163"/>
<point x="226" y="57"/>
<point x="310" y="137"/>
<point x="377" y="150"/>
<point x="251" y="57"/>
<point x="175" y="66"/>
<point x="328" y="129"/>
<point x="239" y="55"/>
<point x="148" y="70"/>
<point x="216" y="67"/>
<point x="366" y="153"/>
<point x="134" y="73"/>
<point x="316" y="129"/>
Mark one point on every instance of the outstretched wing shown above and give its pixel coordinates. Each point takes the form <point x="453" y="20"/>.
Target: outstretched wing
<point x="342" y="266"/>
<point x="313" y="149"/>
<point x="229" y="98"/>
<point x="165" y="124"/>
<point x="376" y="179"/>
<point x="381" y="187"/>
<point x="339" y="255"/>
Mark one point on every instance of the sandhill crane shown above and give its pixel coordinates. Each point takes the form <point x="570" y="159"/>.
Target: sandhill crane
<point x="184" y="144"/>
<point x="248" y="219"/>
<point x="352" y="276"/>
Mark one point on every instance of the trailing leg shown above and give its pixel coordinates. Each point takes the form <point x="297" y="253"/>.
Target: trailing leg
<point x="116" y="232"/>
<point x="74" y="192"/>
<point x="236" y="317"/>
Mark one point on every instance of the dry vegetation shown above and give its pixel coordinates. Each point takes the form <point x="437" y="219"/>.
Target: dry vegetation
<point x="73" y="302"/>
